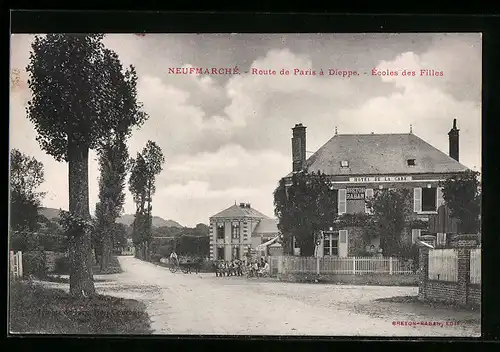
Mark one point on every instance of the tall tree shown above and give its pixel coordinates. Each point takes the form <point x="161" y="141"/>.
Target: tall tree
<point x="146" y="166"/>
<point x="119" y="236"/>
<point x="154" y="159"/>
<point x="137" y="186"/>
<point x="391" y="215"/>
<point x="80" y="93"/>
<point x="113" y="162"/>
<point x="462" y="194"/>
<point x="26" y="175"/>
<point x="304" y="208"/>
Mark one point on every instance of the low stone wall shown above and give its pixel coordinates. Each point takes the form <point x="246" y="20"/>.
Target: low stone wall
<point x="474" y="294"/>
<point x="441" y="291"/>
<point x="363" y="279"/>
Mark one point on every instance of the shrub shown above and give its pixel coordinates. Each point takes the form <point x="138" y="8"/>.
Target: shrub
<point x="62" y="265"/>
<point x="361" y="252"/>
<point x="35" y="263"/>
<point x="155" y="258"/>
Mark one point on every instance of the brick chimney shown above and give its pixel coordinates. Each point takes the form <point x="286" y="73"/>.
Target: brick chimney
<point x="453" y="138"/>
<point x="299" y="147"/>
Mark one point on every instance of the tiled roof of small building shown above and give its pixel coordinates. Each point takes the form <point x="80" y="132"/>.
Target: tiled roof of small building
<point x="380" y="154"/>
<point x="236" y="211"/>
<point x="266" y="227"/>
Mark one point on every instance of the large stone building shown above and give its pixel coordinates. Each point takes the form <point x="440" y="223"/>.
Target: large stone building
<point x="237" y="229"/>
<point x="360" y="164"/>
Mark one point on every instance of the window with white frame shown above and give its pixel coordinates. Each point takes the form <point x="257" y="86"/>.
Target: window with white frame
<point x="427" y="199"/>
<point x="220" y="231"/>
<point x="235" y="231"/>
<point x="331" y="244"/>
<point x="220" y="253"/>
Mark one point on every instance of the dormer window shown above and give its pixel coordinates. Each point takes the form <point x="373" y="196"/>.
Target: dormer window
<point x="344" y="163"/>
<point x="410" y="162"/>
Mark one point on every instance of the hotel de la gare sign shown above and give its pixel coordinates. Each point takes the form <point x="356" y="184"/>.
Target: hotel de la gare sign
<point x="358" y="193"/>
<point x="380" y="179"/>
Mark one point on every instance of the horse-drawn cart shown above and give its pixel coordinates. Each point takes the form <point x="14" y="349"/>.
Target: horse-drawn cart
<point x="186" y="267"/>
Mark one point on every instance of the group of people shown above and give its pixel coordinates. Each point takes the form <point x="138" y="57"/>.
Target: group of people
<point x="238" y="267"/>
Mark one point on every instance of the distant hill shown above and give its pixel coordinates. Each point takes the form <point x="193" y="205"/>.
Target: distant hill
<point x="49" y="213"/>
<point x="127" y="219"/>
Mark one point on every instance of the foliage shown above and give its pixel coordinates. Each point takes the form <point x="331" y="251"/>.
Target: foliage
<point x="113" y="164"/>
<point x="391" y="213"/>
<point x="119" y="235"/>
<point x="144" y="168"/>
<point x="462" y="194"/>
<point x="304" y="208"/>
<point x="186" y="241"/>
<point x="80" y="94"/>
<point x="62" y="266"/>
<point x="26" y="175"/>
<point x="352" y="220"/>
<point x="35" y="263"/>
<point x="410" y="251"/>
<point x="34" y="308"/>
<point x="73" y="224"/>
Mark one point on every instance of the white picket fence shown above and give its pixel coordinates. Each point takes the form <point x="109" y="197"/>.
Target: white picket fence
<point x="16" y="264"/>
<point x="336" y="265"/>
<point x="475" y="266"/>
<point x="443" y="265"/>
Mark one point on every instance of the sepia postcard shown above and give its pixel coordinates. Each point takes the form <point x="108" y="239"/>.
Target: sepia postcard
<point x="245" y="184"/>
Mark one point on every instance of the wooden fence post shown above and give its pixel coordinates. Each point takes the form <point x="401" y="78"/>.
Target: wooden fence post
<point x="390" y="265"/>
<point x="20" y="264"/>
<point x="354" y="265"/>
<point x="11" y="257"/>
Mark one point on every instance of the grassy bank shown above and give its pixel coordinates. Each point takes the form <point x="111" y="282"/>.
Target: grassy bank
<point x="113" y="267"/>
<point x="36" y="309"/>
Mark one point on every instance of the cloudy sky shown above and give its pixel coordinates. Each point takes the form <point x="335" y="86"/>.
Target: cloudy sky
<point x="227" y="138"/>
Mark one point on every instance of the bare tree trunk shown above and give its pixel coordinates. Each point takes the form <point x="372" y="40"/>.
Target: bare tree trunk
<point x="81" y="280"/>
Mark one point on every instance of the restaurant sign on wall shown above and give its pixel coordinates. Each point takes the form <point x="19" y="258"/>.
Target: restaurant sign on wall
<point x="355" y="193"/>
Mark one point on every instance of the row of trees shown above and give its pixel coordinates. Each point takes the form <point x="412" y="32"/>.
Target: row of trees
<point x="83" y="99"/>
<point x="309" y="205"/>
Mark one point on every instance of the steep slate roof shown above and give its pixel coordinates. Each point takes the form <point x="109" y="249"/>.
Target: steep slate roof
<point x="266" y="227"/>
<point x="235" y="211"/>
<point x="380" y="154"/>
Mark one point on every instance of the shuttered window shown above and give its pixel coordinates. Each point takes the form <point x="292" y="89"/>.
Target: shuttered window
<point x="439" y="197"/>
<point x="343" y="236"/>
<point x="342" y="202"/>
<point x="415" y="234"/>
<point x="417" y="200"/>
<point x="368" y="196"/>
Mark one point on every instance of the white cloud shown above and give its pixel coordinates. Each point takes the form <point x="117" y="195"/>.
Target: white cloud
<point x="422" y="103"/>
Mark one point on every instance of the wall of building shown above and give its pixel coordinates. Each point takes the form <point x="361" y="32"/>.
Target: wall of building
<point x="247" y="226"/>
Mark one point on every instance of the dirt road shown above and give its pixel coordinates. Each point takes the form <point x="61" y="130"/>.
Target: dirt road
<point x="204" y="304"/>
